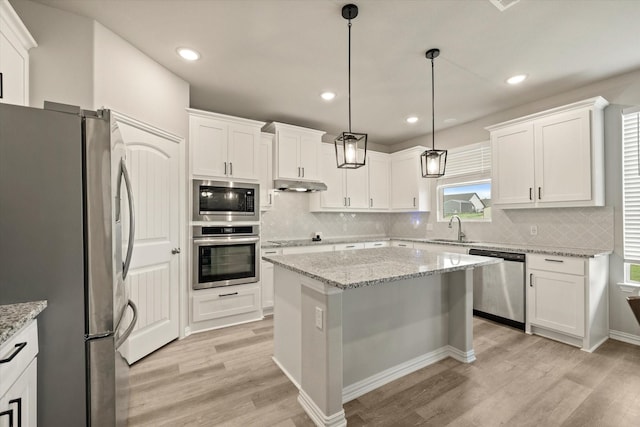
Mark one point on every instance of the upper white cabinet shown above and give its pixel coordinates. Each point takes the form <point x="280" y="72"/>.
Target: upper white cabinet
<point x="15" y="42"/>
<point x="224" y="146"/>
<point x="379" y="178"/>
<point x="409" y="191"/>
<point x="296" y="151"/>
<point x="551" y="159"/>
<point x="265" y="167"/>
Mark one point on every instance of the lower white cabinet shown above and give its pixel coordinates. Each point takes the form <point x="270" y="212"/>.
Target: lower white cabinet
<point x="401" y="244"/>
<point x="348" y="246"/>
<point x="380" y="244"/>
<point x="18" y="374"/>
<point x="567" y="299"/>
<point x="227" y="305"/>
<point x="266" y="280"/>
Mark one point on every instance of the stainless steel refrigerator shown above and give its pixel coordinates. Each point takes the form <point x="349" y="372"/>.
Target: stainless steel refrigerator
<point x="61" y="240"/>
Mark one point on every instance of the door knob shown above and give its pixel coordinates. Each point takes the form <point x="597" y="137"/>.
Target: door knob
<point x="175" y="251"/>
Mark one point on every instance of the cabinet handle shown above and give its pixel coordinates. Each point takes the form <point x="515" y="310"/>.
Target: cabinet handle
<point x="530" y="193"/>
<point x="531" y="280"/>
<point x="18" y="349"/>
<point x="370" y="203"/>
<point x="377" y="244"/>
<point x="539" y="193"/>
<point x="554" y="260"/>
<point x="270" y="201"/>
<point x="18" y="402"/>
<point x="349" y="200"/>
<point x="231" y="168"/>
<point x="227" y="295"/>
<point x="1" y="86"/>
<point x="225" y="168"/>
<point x="414" y="202"/>
<point x="8" y="412"/>
<point x="270" y="252"/>
<point x="345" y="201"/>
<point x="298" y="171"/>
<point x="303" y="171"/>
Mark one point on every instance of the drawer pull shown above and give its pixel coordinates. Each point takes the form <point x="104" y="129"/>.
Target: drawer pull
<point x="17" y="350"/>
<point x="553" y="260"/>
<point x="227" y="295"/>
<point x="531" y="280"/>
<point x="18" y="402"/>
<point x="377" y="244"/>
<point x="8" y="412"/>
<point x="270" y="252"/>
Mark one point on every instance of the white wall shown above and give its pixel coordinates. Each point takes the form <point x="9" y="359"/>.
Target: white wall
<point x="130" y="82"/>
<point x="61" y="67"/>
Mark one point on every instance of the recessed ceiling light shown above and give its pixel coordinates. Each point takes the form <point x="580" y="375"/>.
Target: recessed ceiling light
<point x="188" y="54"/>
<point x="517" y="79"/>
<point x="328" y="96"/>
<point x="412" y="119"/>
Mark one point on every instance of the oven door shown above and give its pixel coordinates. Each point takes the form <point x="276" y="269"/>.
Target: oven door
<point x="225" y="261"/>
<point x="225" y="201"/>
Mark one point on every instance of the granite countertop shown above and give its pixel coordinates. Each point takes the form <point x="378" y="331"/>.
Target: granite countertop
<point x="510" y="247"/>
<point x="270" y="244"/>
<point x="365" y="267"/>
<point x="15" y="316"/>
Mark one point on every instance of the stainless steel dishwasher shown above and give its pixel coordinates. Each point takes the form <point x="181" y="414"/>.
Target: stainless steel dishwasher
<point x="499" y="289"/>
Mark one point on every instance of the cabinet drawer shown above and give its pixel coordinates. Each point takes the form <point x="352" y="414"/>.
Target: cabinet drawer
<point x="267" y="252"/>
<point x="348" y="246"/>
<point x="23" y="346"/>
<point x="382" y="244"/>
<point x="556" y="263"/>
<point x="307" y="249"/>
<point x="225" y="302"/>
<point x="402" y="244"/>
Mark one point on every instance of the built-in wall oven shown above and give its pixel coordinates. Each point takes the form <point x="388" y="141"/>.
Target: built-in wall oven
<point x="225" y="255"/>
<point x="225" y="201"/>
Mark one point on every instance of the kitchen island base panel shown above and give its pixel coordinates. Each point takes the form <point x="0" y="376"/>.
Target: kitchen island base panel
<point x="337" y="345"/>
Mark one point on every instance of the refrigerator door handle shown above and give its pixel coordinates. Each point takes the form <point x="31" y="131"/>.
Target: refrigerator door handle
<point x="122" y="338"/>
<point x="132" y="220"/>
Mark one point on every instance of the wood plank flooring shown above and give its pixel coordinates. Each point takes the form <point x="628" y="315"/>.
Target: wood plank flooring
<point x="226" y="377"/>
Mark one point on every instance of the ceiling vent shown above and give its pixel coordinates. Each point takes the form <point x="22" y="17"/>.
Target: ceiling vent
<point x="503" y="5"/>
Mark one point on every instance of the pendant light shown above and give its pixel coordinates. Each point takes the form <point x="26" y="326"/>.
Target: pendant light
<point x="351" y="147"/>
<point x="433" y="162"/>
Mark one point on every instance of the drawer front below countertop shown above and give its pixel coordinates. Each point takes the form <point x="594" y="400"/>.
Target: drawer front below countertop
<point x="24" y="346"/>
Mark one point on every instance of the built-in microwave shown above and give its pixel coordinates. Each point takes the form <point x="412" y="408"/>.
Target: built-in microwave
<point x="228" y="201"/>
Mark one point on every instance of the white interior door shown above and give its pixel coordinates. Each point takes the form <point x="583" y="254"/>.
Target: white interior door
<point x="152" y="159"/>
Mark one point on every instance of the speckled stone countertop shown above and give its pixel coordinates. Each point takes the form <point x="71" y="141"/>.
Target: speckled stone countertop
<point x="365" y="267"/>
<point x="509" y="247"/>
<point x="270" y="244"/>
<point x="15" y="316"/>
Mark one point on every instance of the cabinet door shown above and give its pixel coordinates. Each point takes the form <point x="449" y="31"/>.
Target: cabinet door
<point x="379" y="177"/>
<point x="266" y="279"/>
<point x="21" y="398"/>
<point x="563" y="157"/>
<point x="287" y="152"/>
<point x="13" y="66"/>
<point x="309" y="150"/>
<point x="265" y="167"/>
<point x="513" y="168"/>
<point x="242" y="152"/>
<point x="208" y="140"/>
<point x="556" y="301"/>
<point x="333" y="177"/>
<point x="357" y="181"/>
<point x="404" y="176"/>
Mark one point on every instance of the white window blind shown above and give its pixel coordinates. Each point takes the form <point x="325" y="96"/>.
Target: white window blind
<point x="470" y="159"/>
<point x="631" y="184"/>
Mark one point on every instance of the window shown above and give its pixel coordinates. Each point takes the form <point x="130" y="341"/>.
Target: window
<point x="631" y="192"/>
<point x="465" y="189"/>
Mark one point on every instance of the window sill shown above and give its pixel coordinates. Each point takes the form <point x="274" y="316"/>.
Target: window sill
<point x="628" y="287"/>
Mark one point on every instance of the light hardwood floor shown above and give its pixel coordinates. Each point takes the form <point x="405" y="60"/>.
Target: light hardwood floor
<point x="226" y="377"/>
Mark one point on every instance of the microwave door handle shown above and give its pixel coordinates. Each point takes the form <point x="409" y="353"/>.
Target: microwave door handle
<point x="122" y="338"/>
<point x="132" y="220"/>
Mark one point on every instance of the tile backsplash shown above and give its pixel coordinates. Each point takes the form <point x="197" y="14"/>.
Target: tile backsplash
<point x="590" y="228"/>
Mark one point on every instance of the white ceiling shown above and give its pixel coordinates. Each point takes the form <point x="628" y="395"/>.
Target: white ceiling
<point x="271" y="59"/>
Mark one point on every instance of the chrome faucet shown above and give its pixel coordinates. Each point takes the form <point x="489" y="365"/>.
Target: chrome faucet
<point x="461" y="235"/>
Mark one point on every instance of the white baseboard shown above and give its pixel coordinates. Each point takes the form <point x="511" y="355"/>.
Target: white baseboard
<point x="462" y="356"/>
<point x="624" y="337"/>
<point x="353" y="391"/>
<point x="319" y="418"/>
<point x="284" y="371"/>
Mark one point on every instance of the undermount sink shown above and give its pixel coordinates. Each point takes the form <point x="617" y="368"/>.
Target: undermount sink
<point x="451" y="241"/>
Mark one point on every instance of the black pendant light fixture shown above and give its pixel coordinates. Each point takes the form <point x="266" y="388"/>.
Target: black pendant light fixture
<point x="351" y="147"/>
<point x="433" y="162"/>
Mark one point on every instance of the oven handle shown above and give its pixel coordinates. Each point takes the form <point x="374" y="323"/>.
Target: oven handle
<point x="232" y="241"/>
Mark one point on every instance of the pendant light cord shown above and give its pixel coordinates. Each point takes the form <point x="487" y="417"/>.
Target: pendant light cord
<point x="349" y="67"/>
<point x="433" y="111"/>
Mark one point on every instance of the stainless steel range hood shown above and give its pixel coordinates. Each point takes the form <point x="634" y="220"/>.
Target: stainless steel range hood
<point x="300" y="186"/>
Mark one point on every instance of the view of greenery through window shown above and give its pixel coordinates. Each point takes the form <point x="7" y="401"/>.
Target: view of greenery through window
<point x="471" y="201"/>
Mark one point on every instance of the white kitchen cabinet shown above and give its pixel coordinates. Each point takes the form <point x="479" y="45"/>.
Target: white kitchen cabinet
<point x="18" y="388"/>
<point x="266" y="280"/>
<point x="347" y="189"/>
<point x="550" y="159"/>
<point x="401" y="244"/>
<point x="567" y="299"/>
<point x="224" y="146"/>
<point x="379" y="244"/>
<point x="379" y="179"/>
<point x="409" y="191"/>
<point x="265" y="167"/>
<point x="15" y="43"/>
<point x="224" y="306"/>
<point x="348" y="246"/>
<point x="296" y="151"/>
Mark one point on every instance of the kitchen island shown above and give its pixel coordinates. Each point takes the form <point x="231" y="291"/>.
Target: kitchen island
<point x="347" y="322"/>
